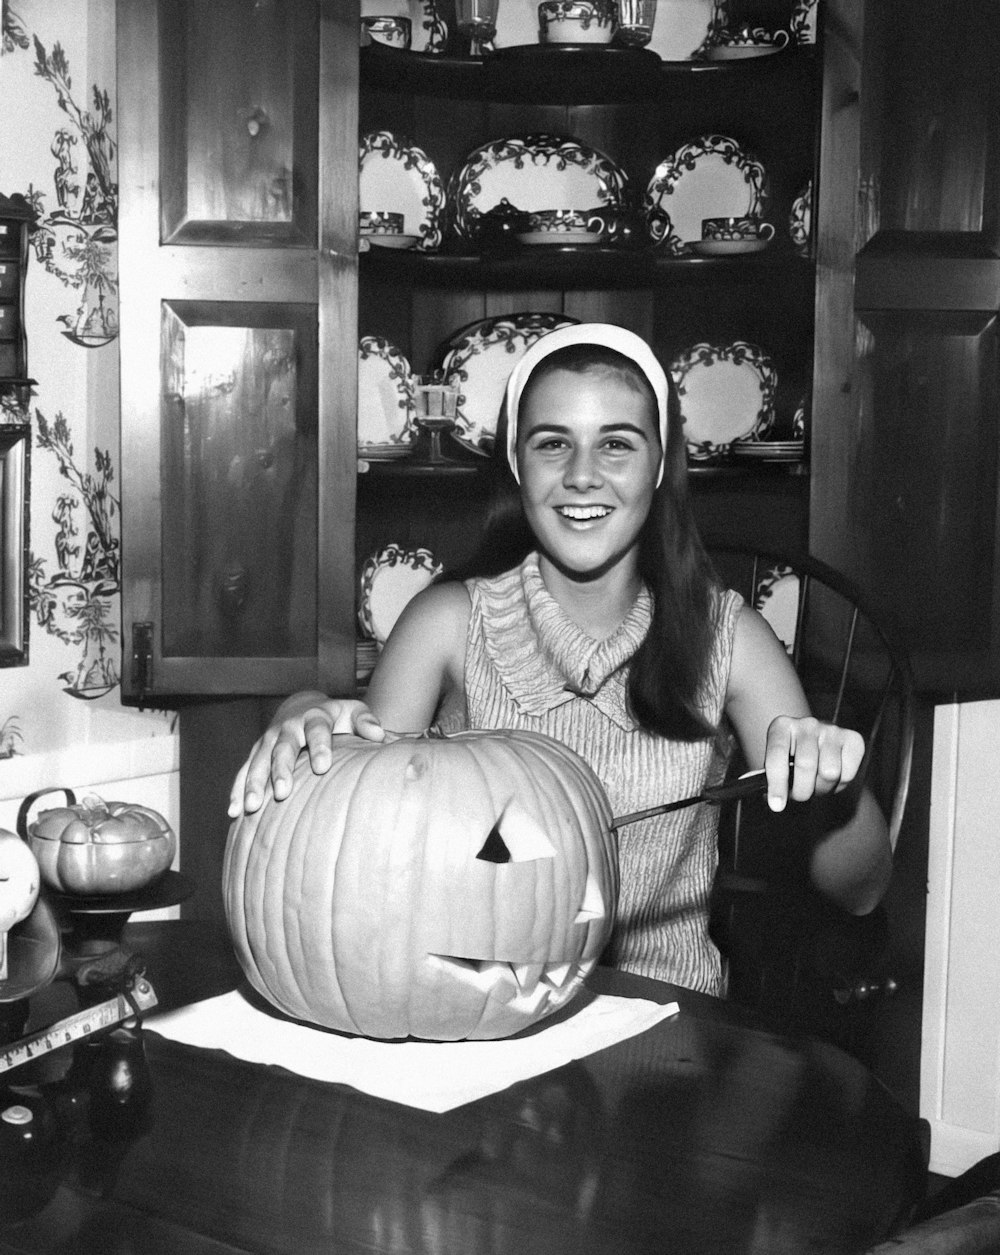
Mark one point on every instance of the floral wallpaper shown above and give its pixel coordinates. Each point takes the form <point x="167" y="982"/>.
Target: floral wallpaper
<point x="58" y="150"/>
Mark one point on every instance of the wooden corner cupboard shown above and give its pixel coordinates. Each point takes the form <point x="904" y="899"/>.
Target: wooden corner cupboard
<point x="246" y="522"/>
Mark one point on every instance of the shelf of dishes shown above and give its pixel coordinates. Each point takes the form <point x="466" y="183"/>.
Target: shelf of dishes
<point x="710" y="197"/>
<point x="571" y="52"/>
<point x="728" y="397"/>
<point x="394" y="574"/>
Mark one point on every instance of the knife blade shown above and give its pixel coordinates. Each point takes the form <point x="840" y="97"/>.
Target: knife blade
<point x="744" y="786"/>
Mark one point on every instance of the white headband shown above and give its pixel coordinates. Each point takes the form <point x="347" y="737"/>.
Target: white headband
<point x="602" y="333"/>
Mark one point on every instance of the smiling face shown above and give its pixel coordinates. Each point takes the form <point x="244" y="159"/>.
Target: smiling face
<point x="588" y="454"/>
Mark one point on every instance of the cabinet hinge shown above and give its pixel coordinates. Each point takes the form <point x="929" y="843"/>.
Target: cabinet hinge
<point x="142" y="659"/>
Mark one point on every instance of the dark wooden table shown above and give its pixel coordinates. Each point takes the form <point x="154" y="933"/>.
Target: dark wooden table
<point x="702" y="1135"/>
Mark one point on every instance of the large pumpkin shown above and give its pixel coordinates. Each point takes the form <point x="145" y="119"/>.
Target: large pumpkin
<point x="440" y="888"/>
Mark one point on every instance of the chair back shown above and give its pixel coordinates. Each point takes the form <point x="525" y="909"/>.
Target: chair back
<point x="791" y="955"/>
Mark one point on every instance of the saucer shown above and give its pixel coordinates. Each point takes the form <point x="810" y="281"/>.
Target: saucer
<point x="727" y="248"/>
<point x="390" y="241"/>
<point x="741" y="52"/>
<point x="559" y="237"/>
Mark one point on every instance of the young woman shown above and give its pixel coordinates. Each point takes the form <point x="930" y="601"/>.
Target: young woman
<point x="595" y="617"/>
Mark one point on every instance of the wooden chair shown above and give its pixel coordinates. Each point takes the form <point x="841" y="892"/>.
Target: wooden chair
<point x="800" y="961"/>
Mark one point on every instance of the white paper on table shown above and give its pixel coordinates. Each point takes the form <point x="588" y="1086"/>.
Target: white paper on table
<point x="435" y="1076"/>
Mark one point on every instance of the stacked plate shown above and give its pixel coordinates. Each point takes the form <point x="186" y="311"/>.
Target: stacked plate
<point x="768" y="450"/>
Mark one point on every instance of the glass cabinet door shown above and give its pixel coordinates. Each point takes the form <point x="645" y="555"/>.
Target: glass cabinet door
<point x="238" y="266"/>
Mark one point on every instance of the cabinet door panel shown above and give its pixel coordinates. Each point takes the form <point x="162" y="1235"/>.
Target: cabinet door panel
<point x="238" y="153"/>
<point x="905" y="417"/>
<point x="238" y="262"/>
<point x="239" y="472"/>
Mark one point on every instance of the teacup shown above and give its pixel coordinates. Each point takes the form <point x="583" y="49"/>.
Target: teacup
<point x="386" y="29"/>
<point x="576" y="21"/>
<point x="736" y="229"/>
<point x="555" y="221"/>
<point x="742" y="40"/>
<point x="380" y="222"/>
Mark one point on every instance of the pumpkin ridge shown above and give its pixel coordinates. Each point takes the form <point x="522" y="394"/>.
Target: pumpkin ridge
<point x="316" y="824"/>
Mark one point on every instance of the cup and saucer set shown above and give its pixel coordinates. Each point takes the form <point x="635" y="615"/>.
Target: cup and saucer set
<point x="384" y="228"/>
<point x="743" y="43"/>
<point x="730" y="237"/>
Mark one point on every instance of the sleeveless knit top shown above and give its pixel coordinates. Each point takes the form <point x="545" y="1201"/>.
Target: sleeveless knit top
<point x="529" y="666"/>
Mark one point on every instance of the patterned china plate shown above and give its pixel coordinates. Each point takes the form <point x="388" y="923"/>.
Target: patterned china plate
<point x="385" y="401"/>
<point x="681" y="27"/>
<point x="397" y="176"/>
<point x="389" y="580"/>
<point x="777" y="599"/>
<point x="803" y="21"/>
<point x="428" y="29"/>
<point x="710" y="177"/>
<point x="534" y="172"/>
<point x="726" y="394"/>
<point x="480" y="358"/>
<point x="800" y="219"/>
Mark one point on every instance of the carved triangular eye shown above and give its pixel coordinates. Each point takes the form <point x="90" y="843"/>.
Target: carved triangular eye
<point x="516" y="837"/>
<point x="494" y="848"/>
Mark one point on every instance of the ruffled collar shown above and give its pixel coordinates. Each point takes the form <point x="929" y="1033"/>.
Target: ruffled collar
<point x="544" y="659"/>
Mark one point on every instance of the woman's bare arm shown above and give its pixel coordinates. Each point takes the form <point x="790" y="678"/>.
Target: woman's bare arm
<point x="851" y="859"/>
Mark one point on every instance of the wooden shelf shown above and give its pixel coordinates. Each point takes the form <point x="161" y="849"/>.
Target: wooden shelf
<point x="563" y="73"/>
<point x="581" y="267"/>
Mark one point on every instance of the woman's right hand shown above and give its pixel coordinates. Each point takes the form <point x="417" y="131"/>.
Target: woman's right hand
<point x="303" y="721"/>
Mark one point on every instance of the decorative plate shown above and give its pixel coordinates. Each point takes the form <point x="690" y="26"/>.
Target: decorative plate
<point x="397" y="176"/>
<point x="517" y="24"/>
<point x="682" y="28"/>
<point x="777" y="599"/>
<point x="389" y="580"/>
<point x="726" y="394"/>
<point x="710" y="177"/>
<point x="385" y="400"/>
<point x="429" y="30"/>
<point x="800" y="219"/>
<point x="480" y="358"/>
<point x="799" y="419"/>
<point x="803" y="21"/>
<point x="531" y="173"/>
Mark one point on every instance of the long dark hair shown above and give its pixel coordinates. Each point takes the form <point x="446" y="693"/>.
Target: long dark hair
<point x="668" y="669"/>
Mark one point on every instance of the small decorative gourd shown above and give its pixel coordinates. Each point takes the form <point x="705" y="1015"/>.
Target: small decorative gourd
<point x="19" y="885"/>
<point x="93" y="848"/>
<point x="434" y="887"/>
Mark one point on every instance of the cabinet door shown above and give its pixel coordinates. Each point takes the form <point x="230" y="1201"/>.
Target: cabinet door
<point x="906" y="425"/>
<point x="238" y="257"/>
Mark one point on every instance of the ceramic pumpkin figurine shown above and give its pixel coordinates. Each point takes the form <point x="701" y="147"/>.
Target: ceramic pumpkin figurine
<point x="434" y="887"/>
<point x="93" y="848"/>
<point x="19" y="884"/>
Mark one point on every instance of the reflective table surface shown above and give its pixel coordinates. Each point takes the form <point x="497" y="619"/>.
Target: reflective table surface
<point x="704" y="1134"/>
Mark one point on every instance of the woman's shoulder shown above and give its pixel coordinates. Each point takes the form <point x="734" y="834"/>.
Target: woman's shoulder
<point x="440" y="608"/>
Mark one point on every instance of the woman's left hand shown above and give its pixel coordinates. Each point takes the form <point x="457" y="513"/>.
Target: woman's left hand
<point x="806" y="758"/>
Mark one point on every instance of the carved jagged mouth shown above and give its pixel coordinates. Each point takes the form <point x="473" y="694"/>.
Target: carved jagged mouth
<point x="530" y="980"/>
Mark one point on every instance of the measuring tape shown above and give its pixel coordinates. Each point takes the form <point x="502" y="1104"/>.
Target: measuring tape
<point x="141" y="997"/>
